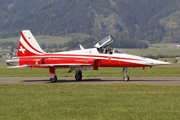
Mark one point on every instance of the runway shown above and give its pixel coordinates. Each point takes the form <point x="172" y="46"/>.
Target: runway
<point x="161" y="81"/>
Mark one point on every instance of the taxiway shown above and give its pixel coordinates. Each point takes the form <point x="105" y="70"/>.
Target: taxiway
<point x="162" y="81"/>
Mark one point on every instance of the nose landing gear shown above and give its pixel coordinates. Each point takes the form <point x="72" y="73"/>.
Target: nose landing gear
<point x="126" y="77"/>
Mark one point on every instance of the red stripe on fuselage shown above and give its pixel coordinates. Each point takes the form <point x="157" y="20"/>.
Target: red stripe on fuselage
<point x="77" y="60"/>
<point x="94" y="56"/>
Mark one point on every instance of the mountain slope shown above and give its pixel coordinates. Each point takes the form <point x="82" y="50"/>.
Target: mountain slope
<point x="10" y="10"/>
<point x="139" y="19"/>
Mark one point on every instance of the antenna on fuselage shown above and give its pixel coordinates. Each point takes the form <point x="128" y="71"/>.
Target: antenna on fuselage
<point x="81" y="47"/>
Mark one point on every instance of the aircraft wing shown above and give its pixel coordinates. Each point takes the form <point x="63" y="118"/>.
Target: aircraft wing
<point x="23" y="66"/>
<point x="59" y="65"/>
<point x="48" y="65"/>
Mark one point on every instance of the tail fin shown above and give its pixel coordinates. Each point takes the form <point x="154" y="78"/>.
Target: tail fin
<point x="28" y="45"/>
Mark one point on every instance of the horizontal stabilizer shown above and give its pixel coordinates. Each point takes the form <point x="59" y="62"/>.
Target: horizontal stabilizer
<point x="48" y="65"/>
<point x="24" y="66"/>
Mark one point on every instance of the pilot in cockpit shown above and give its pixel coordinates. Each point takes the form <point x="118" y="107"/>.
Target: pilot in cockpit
<point x="109" y="51"/>
<point x="105" y="50"/>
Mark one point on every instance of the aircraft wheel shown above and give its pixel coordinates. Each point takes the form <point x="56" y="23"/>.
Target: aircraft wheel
<point x="53" y="80"/>
<point x="78" y="76"/>
<point x="126" y="78"/>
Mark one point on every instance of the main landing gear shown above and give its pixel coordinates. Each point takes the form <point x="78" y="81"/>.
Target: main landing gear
<point x="52" y="75"/>
<point x="78" y="75"/>
<point x="53" y="80"/>
<point x="126" y="77"/>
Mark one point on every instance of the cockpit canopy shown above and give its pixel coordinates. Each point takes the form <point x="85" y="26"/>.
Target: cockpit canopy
<point x="105" y="42"/>
<point x="102" y="44"/>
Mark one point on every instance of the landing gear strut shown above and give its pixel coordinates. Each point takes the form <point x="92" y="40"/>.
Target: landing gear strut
<point x="126" y="77"/>
<point x="78" y="75"/>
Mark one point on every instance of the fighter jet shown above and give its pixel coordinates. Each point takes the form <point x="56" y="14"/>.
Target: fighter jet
<point x="31" y="55"/>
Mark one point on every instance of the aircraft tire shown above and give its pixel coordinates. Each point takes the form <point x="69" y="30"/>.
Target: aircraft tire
<point x="126" y="78"/>
<point x="53" y="80"/>
<point x="78" y="76"/>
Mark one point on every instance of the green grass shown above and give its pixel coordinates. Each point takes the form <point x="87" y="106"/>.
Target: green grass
<point x="161" y="45"/>
<point x="49" y="39"/>
<point x="88" y="102"/>
<point x="153" y="52"/>
<point x="155" y="49"/>
<point x="168" y="59"/>
<point x="102" y="72"/>
<point x="53" y="40"/>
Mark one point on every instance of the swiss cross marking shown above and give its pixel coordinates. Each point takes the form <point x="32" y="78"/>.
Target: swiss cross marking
<point x="22" y="50"/>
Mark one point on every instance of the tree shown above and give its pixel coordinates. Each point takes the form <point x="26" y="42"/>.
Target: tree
<point x="54" y="45"/>
<point x="60" y="46"/>
<point x="12" y="48"/>
<point x="43" y="46"/>
<point x="56" y="50"/>
<point x="49" y="47"/>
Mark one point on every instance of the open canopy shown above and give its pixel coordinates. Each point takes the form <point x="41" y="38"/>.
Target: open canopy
<point x="105" y="42"/>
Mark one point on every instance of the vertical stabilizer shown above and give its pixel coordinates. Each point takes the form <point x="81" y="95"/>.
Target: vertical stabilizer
<point x="28" y="45"/>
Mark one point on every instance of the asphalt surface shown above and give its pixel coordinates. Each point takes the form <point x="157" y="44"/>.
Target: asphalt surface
<point x="161" y="81"/>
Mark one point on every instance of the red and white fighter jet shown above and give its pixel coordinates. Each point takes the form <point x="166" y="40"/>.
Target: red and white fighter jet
<point x="31" y="55"/>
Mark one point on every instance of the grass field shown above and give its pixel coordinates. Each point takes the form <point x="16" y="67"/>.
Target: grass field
<point x="155" y="49"/>
<point x="161" y="45"/>
<point x="153" y="52"/>
<point x="89" y="102"/>
<point x="46" y="39"/>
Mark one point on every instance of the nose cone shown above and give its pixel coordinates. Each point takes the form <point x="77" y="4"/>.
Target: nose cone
<point x="159" y="63"/>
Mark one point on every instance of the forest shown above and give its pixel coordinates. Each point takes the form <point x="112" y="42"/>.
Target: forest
<point x="154" y="21"/>
<point x="119" y="43"/>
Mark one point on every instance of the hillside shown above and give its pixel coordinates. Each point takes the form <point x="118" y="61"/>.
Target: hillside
<point x="152" y="20"/>
<point x="10" y="10"/>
